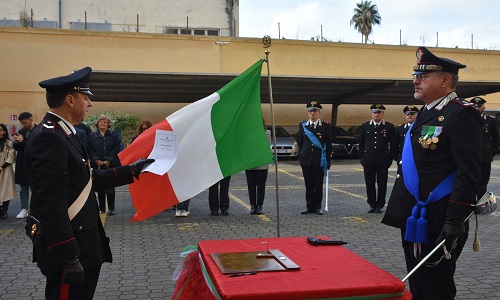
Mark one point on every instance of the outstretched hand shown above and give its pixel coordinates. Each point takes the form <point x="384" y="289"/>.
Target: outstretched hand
<point x="139" y="165"/>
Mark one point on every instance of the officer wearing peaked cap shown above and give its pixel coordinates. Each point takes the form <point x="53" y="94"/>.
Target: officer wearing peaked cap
<point x="69" y="243"/>
<point x="315" y="149"/>
<point x="410" y="112"/>
<point x="441" y="150"/>
<point x="489" y="146"/>
<point x="377" y="149"/>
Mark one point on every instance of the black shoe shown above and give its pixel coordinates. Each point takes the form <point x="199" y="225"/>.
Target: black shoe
<point x="4" y="215"/>
<point x="307" y="211"/>
<point x="259" y="210"/>
<point x="111" y="212"/>
<point x="319" y="212"/>
<point x="253" y="210"/>
<point x="371" y="211"/>
<point x="378" y="210"/>
<point x="224" y="213"/>
<point x="215" y="213"/>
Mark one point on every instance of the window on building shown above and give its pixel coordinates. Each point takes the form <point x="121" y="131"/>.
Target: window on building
<point x="213" y="32"/>
<point x="185" y="31"/>
<point x="171" y="30"/>
<point x="199" y="32"/>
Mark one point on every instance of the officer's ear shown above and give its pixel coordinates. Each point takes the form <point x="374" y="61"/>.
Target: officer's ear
<point x="69" y="99"/>
<point x="446" y="80"/>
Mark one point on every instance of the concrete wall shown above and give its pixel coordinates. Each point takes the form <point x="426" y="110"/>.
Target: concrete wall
<point x="121" y="15"/>
<point x="32" y="55"/>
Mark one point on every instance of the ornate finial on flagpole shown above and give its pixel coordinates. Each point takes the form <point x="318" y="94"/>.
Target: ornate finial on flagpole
<point x="266" y="41"/>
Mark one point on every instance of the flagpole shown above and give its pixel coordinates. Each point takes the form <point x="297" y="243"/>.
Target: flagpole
<point x="266" y="41"/>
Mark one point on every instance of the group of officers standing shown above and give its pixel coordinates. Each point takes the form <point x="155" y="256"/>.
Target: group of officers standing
<point x="443" y="167"/>
<point x="444" y="153"/>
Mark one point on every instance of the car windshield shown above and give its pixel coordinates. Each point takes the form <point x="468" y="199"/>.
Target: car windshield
<point x="339" y="131"/>
<point x="280" y="132"/>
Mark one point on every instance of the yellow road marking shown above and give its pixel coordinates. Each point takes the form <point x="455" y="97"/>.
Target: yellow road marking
<point x="103" y="218"/>
<point x="263" y="217"/>
<point x="357" y="219"/>
<point x="6" y="232"/>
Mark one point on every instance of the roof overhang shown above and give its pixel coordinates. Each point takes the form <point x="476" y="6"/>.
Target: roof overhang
<point x="186" y="88"/>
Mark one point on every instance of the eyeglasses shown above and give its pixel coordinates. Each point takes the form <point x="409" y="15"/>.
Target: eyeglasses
<point x="410" y="113"/>
<point x="377" y="111"/>
<point x="422" y="77"/>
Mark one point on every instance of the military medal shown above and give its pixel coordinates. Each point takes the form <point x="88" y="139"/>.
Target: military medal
<point x="429" y="136"/>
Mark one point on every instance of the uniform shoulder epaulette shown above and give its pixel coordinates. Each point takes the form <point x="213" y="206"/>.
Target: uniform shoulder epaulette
<point x="47" y="126"/>
<point x="463" y="102"/>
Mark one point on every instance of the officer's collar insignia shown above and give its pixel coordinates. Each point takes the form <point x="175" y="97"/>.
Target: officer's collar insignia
<point x="446" y="100"/>
<point x="65" y="128"/>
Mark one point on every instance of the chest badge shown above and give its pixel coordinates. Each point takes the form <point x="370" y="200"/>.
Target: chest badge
<point x="429" y="137"/>
<point x="441" y="118"/>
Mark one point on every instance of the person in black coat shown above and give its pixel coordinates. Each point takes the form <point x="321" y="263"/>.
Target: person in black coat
<point x="69" y="252"/>
<point x="489" y="146"/>
<point x="377" y="147"/>
<point x="314" y="161"/>
<point x="410" y="112"/>
<point x="443" y="150"/>
<point x="103" y="146"/>
<point x="22" y="172"/>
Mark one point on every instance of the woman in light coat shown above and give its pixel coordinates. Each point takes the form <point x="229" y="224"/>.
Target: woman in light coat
<point x="7" y="158"/>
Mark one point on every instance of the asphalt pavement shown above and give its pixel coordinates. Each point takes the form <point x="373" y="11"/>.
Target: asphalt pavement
<point x="146" y="253"/>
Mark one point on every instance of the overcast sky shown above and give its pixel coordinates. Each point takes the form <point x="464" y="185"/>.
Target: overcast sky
<point x="450" y="23"/>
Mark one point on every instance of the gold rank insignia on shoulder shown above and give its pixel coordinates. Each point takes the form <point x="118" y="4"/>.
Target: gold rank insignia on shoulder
<point x="441" y="118"/>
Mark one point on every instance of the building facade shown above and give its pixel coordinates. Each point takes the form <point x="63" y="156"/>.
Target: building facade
<point x="191" y="17"/>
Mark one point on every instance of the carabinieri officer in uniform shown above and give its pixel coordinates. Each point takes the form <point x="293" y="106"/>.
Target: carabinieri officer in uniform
<point x="315" y="149"/>
<point x="410" y="112"/>
<point x="377" y="147"/>
<point x="69" y="243"/>
<point x="489" y="146"/>
<point x="432" y="196"/>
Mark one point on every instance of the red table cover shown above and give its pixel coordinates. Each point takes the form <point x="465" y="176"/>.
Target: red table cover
<point x="326" y="272"/>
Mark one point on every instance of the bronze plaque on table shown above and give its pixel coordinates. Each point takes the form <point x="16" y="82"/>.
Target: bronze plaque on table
<point x="240" y="262"/>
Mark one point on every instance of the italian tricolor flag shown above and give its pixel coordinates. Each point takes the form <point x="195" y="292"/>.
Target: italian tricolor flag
<point x="218" y="136"/>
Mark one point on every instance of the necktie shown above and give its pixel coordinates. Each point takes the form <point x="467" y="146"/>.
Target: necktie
<point x="424" y="110"/>
<point x="376" y="126"/>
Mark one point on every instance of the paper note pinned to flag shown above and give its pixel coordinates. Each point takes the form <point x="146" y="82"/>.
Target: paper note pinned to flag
<point x="164" y="152"/>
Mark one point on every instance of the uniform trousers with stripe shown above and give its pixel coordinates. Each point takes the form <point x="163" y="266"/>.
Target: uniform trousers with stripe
<point x="56" y="290"/>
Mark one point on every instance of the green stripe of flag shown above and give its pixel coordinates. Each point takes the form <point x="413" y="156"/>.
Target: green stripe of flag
<point x="237" y="124"/>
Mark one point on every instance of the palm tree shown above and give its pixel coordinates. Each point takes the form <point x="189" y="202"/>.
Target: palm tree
<point x="365" y="16"/>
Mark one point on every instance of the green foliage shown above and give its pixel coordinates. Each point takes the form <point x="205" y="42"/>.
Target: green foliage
<point x="125" y="124"/>
<point x="365" y="16"/>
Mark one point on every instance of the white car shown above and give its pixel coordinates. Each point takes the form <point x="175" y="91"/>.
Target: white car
<point x="286" y="145"/>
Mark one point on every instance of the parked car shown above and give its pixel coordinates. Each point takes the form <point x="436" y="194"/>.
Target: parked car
<point x="343" y="144"/>
<point x="286" y="145"/>
<point x="354" y="131"/>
